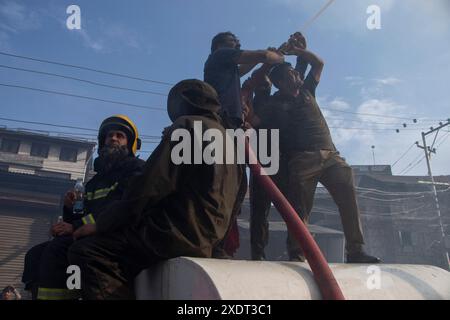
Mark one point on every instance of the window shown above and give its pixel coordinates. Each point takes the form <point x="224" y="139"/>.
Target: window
<point x="406" y="239"/>
<point x="49" y="174"/>
<point x="10" y="145"/>
<point x="68" y="154"/>
<point x="39" y="150"/>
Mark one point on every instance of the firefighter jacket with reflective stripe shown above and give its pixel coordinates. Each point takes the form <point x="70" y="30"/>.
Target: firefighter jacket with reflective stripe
<point x="105" y="187"/>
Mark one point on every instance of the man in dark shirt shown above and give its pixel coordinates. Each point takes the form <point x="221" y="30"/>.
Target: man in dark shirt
<point x="224" y="67"/>
<point x="308" y="151"/>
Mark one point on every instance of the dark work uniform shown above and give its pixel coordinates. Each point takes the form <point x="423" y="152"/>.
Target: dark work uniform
<point x="169" y="211"/>
<point x="222" y="72"/>
<point x="100" y="192"/>
<point x="309" y="155"/>
<point x="32" y="261"/>
<point x="259" y="201"/>
<point x="31" y="265"/>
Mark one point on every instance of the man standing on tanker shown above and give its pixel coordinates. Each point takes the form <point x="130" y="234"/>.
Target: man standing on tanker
<point x="223" y="69"/>
<point x="307" y="147"/>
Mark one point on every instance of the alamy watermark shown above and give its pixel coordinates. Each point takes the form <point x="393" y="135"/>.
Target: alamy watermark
<point x="374" y="20"/>
<point x="74" y="20"/>
<point x="222" y="148"/>
<point x="74" y="280"/>
<point x="374" y="279"/>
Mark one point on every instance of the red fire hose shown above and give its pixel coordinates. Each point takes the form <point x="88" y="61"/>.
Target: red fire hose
<point x="325" y="279"/>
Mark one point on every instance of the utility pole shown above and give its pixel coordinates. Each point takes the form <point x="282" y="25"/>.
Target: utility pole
<point x="428" y="151"/>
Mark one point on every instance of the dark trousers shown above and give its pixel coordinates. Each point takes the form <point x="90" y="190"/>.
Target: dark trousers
<point x="260" y="208"/>
<point x="259" y="226"/>
<point x="31" y="265"/>
<point x="109" y="264"/>
<point x="304" y="171"/>
<point x="52" y="270"/>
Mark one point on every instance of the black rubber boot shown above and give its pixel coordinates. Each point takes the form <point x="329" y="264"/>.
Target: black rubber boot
<point x="361" y="257"/>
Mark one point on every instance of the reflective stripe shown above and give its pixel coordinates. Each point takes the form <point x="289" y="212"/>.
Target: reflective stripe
<point x="101" y="193"/>
<point x="58" y="294"/>
<point x="89" y="219"/>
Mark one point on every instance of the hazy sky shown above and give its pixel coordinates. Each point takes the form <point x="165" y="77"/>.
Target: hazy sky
<point x="399" y="72"/>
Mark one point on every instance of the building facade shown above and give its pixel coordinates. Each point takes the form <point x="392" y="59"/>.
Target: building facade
<point x="36" y="170"/>
<point x="44" y="155"/>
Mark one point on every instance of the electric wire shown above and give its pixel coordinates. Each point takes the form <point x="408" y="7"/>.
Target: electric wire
<point x="83" y="80"/>
<point x="85" y="68"/>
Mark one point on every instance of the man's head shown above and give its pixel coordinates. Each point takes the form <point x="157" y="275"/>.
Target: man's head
<point x="191" y="97"/>
<point x="285" y="77"/>
<point x="118" y="132"/>
<point x="8" y="293"/>
<point x="116" y="138"/>
<point x="225" y="40"/>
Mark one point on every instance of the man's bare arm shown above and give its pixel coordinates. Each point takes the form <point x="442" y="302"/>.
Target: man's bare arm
<point x="260" y="56"/>
<point x="315" y="61"/>
<point x="245" y="68"/>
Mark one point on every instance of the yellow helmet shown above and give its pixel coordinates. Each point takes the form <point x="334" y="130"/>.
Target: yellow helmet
<point x="123" y="123"/>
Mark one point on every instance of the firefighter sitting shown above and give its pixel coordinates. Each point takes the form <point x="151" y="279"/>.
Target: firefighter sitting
<point x="116" y="164"/>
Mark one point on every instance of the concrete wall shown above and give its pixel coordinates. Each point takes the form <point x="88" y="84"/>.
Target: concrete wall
<point x="75" y="169"/>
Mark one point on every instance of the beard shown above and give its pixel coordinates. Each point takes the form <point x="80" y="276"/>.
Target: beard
<point x="110" y="155"/>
